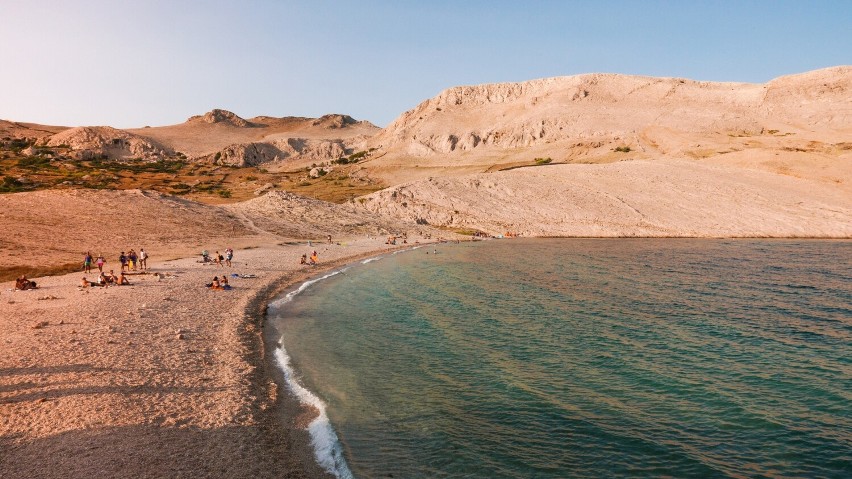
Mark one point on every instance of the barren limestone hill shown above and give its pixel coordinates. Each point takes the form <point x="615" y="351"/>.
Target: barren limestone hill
<point x="584" y="118"/>
<point x="223" y="137"/>
<point x="662" y="198"/>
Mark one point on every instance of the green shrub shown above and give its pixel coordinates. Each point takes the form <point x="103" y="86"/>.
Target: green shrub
<point x="225" y="193"/>
<point x="543" y="161"/>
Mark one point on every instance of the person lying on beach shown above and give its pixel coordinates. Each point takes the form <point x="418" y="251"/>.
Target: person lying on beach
<point x="23" y="283"/>
<point x="122" y="280"/>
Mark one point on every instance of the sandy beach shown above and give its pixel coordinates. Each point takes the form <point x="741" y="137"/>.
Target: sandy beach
<point x="163" y="378"/>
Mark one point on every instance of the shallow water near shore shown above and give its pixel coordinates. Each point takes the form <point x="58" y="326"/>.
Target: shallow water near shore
<point x="580" y="358"/>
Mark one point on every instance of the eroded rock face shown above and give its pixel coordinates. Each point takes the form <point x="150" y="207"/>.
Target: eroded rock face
<point x="606" y="107"/>
<point x="91" y="141"/>
<point x="247" y="154"/>
<point x="308" y="149"/>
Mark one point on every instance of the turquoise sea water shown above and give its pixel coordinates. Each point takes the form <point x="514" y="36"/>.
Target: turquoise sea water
<point x="580" y="358"/>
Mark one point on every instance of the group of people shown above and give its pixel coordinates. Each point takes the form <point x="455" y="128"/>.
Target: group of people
<point x="219" y="283"/>
<point x="128" y="261"/>
<point x="219" y="259"/>
<point x="23" y="283"/>
<point x="103" y="280"/>
<point x="313" y="260"/>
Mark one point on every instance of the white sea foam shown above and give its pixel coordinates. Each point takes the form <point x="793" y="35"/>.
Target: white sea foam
<point x="277" y="304"/>
<point x="327" y="448"/>
<point x="370" y="260"/>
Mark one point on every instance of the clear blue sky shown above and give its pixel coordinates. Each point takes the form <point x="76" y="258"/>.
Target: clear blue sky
<point x="136" y="63"/>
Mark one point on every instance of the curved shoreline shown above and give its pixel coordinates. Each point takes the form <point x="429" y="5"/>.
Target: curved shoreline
<point x="164" y="378"/>
<point x="294" y="415"/>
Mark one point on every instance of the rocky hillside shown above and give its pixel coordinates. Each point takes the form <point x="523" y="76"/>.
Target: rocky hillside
<point x="598" y="117"/>
<point x="295" y="216"/>
<point x="222" y="137"/>
<point x="95" y="141"/>
<point x="663" y="198"/>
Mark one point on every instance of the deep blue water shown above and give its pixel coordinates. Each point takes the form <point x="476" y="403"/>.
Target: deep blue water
<point x="581" y="358"/>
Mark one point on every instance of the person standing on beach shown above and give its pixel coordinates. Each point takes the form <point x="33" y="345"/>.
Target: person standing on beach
<point x="100" y="262"/>
<point x="122" y="259"/>
<point x="132" y="257"/>
<point x="143" y="259"/>
<point x="229" y="254"/>
<point x="87" y="262"/>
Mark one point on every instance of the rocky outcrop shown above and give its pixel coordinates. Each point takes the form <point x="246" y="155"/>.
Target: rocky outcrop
<point x="246" y="154"/>
<point x="310" y="149"/>
<point x="91" y="141"/>
<point x="253" y="154"/>
<point x="335" y="121"/>
<point x="221" y="116"/>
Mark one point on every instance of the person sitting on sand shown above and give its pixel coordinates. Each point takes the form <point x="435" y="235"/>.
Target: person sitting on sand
<point x="224" y="283"/>
<point x="122" y="280"/>
<point x="84" y="283"/>
<point x="102" y="280"/>
<point x="304" y="259"/>
<point x="216" y="284"/>
<point x="111" y="277"/>
<point x="314" y="258"/>
<point x="23" y="283"/>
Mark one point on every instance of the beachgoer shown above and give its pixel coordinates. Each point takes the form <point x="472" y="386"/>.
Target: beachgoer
<point x="122" y="258"/>
<point x="122" y="280"/>
<point x="224" y="283"/>
<point x="216" y="284"/>
<point x="314" y="258"/>
<point x="23" y="283"/>
<point x="84" y="283"/>
<point x="229" y="254"/>
<point x="329" y="239"/>
<point x="102" y="279"/>
<point x="304" y="259"/>
<point x="132" y="256"/>
<point x="205" y="257"/>
<point x="100" y="262"/>
<point x="87" y="262"/>
<point x="143" y="259"/>
<point x="112" y="278"/>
